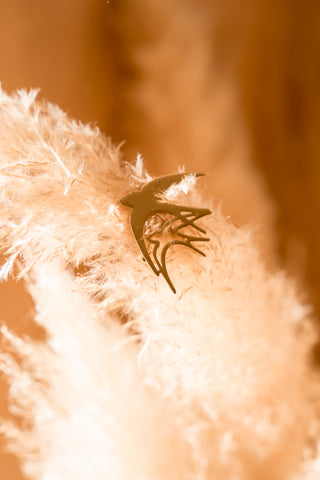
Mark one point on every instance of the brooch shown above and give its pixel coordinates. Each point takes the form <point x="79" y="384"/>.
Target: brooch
<point x="172" y="224"/>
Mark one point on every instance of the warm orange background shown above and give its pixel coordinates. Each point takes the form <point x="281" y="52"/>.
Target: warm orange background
<point x="271" y="50"/>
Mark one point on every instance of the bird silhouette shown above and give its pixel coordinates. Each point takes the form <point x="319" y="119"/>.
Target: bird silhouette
<point x="147" y="202"/>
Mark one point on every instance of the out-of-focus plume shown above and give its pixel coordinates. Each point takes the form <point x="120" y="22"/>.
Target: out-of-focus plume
<point x="181" y="109"/>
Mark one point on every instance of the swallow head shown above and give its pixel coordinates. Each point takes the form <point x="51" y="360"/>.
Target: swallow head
<point x="129" y="200"/>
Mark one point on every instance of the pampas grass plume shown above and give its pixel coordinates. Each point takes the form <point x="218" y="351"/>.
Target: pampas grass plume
<point x="134" y="382"/>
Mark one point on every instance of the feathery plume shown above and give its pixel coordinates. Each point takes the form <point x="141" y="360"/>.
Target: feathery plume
<point x="134" y="382"/>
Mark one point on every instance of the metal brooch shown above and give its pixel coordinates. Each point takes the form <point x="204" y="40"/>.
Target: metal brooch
<point x="175" y="222"/>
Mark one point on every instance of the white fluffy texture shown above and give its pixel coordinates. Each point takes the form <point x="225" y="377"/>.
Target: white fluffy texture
<point x="84" y="398"/>
<point x="213" y="382"/>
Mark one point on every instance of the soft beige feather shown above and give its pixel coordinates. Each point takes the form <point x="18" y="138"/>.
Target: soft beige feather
<point x="135" y="382"/>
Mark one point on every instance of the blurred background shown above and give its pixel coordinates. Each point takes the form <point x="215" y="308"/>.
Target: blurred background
<point x="230" y="88"/>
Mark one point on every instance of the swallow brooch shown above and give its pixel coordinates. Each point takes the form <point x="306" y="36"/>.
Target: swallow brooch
<point x="175" y="223"/>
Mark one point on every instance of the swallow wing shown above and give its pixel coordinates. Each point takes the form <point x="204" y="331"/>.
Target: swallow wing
<point x="182" y="226"/>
